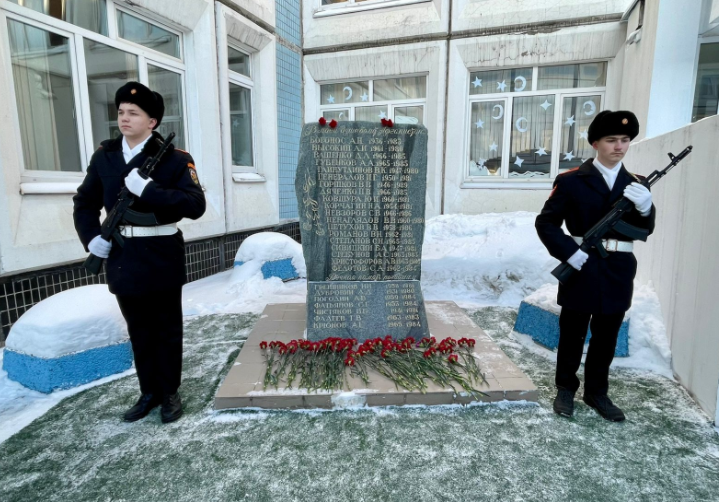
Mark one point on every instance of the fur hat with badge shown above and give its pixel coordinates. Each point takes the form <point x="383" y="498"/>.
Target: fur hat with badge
<point x="137" y="94"/>
<point x="609" y="123"/>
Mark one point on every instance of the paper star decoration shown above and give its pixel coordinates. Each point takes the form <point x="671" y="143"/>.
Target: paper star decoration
<point x="364" y="97"/>
<point x="493" y="146"/>
<point x="382" y="115"/>
<point x="570" y="121"/>
<point x="569" y="156"/>
<point x="331" y="99"/>
<point x="518" y="162"/>
<point x="477" y="82"/>
<point x="584" y="160"/>
<point x="584" y="135"/>
<point x="235" y="122"/>
<point x="546" y="105"/>
<point x="541" y="152"/>
<point x="479" y="124"/>
<point x="502" y="85"/>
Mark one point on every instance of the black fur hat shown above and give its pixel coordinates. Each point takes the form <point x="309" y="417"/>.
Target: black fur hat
<point x="150" y="101"/>
<point x="609" y="123"/>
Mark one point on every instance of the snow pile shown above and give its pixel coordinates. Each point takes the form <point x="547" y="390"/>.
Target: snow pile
<point x="72" y="321"/>
<point x="545" y="298"/>
<point x="487" y="259"/>
<point x="648" y="345"/>
<point x="648" y="342"/>
<point x="271" y="246"/>
<point x="242" y="290"/>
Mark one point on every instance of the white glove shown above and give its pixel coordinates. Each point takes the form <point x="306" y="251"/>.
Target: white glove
<point x="100" y="247"/>
<point x="578" y="259"/>
<point x="641" y="196"/>
<point x="136" y="183"/>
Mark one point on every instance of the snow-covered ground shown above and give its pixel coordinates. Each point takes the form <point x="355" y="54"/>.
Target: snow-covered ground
<point x="483" y="260"/>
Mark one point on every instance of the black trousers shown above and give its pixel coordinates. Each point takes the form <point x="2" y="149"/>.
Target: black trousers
<point x="572" y="333"/>
<point x="154" y="323"/>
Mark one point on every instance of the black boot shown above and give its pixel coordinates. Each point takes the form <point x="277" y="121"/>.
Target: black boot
<point x="171" y="408"/>
<point x="604" y="406"/>
<point x="143" y="406"/>
<point x="564" y="402"/>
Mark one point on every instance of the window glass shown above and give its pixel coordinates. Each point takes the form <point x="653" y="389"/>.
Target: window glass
<point x="88" y="14"/>
<point x="241" y="125"/>
<point x="486" y="136"/>
<point x="45" y="98"/>
<point x="531" y="146"/>
<point x="400" y="88"/>
<point x="408" y="115"/>
<point x="498" y="81"/>
<point x="371" y="113"/>
<point x="238" y="61"/>
<point x="169" y="84"/>
<point x="147" y="34"/>
<point x="577" y="114"/>
<point x="338" y="115"/>
<point x="330" y="2"/>
<point x="345" y="92"/>
<point x="572" y="76"/>
<point x="706" y="94"/>
<point x="108" y="69"/>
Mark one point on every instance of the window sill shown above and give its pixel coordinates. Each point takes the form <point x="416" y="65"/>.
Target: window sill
<point x="347" y="9"/>
<point x="51" y="188"/>
<point x="508" y="185"/>
<point x="248" y="178"/>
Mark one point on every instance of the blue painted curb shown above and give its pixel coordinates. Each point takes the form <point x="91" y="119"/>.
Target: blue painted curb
<point x="543" y="327"/>
<point x="277" y="268"/>
<point x="47" y="375"/>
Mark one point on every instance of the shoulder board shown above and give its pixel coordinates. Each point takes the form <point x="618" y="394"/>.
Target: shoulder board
<point x="191" y="165"/>
<point x="637" y="177"/>
<point x="570" y="171"/>
<point x="181" y="150"/>
<point x="99" y="147"/>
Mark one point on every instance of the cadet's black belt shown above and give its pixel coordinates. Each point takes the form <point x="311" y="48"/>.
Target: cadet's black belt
<point x="612" y="245"/>
<point x="132" y="231"/>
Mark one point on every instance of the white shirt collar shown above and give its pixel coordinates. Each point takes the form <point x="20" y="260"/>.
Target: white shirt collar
<point x="608" y="173"/>
<point x="129" y="153"/>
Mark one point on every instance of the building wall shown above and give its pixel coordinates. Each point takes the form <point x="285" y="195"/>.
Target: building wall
<point x="680" y="259"/>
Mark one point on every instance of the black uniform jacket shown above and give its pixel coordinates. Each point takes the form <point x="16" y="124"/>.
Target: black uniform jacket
<point x="581" y="197"/>
<point x="145" y="264"/>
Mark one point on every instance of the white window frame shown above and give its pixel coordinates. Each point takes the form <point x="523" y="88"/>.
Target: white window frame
<point x="391" y="104"/>
<point x="700" y="41"/>
<point x="504" y="181"/>
<point x="76" y="34"/>
<point x="354" y="6"/>
<point x="241" y="80"/>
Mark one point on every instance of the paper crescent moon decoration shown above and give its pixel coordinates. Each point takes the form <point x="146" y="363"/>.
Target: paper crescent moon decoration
<point x="523" y="86"/>
<point x="519" y="121"/>
<point x="341" y="115"/>
<point x="592" y="107"/>
<point x="501" y="112"/>
<point x="349" y="90"/>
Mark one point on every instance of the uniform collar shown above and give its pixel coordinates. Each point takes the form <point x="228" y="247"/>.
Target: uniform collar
<point x="130" y="153"/>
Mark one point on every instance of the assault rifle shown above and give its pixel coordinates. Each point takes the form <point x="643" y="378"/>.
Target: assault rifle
<point x="122" y="213"/>
<point x="613" y="221"/>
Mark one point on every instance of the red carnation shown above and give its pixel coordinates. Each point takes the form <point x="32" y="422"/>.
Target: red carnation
<point x="470" y="342"/>
<point x="333" y="123"/>
<point x="323" y="121"/>
<point x="263" y="345"/>
<point x="349" y="361"/>
<point x="453" y="359"/>
<point x="384" y="122"/>
<point x="389" y="123"/>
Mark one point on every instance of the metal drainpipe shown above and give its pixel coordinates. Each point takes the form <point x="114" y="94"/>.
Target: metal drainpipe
<point x="446" y="104"/>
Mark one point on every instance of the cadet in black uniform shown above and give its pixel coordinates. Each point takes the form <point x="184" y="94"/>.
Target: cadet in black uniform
<point x="147" y="273"/>
<point x="600" y="294"/>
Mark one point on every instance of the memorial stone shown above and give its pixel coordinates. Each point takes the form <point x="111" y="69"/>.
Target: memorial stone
<point x="361" y="195"/>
